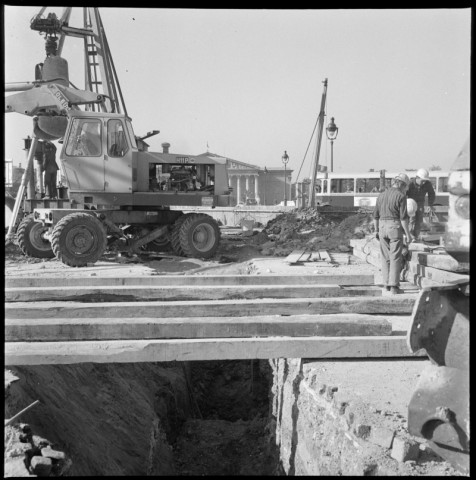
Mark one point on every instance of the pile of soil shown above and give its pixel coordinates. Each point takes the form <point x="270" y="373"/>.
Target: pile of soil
<point x="308" y="229"/>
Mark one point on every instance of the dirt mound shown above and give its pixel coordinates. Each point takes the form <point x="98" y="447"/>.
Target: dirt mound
<point x="309" y="229"/>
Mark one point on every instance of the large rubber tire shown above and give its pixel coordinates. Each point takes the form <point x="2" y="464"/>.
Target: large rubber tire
<point x="175" y="235"/>
<point x="78" y="239"/>
<point x="199" y="236"/>
<point x="31" y="241"/>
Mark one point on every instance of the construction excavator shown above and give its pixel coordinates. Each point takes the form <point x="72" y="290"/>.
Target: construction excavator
<point x="117" y="191"/>
<point x="439" y="408"/>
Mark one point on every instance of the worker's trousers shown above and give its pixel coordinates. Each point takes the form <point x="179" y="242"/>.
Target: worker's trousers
<point x="415" y="222"/>
<point x="391" y="246"/>
<point x="50" y="183"/>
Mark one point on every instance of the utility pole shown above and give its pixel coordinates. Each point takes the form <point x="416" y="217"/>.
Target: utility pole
<point x="312" y="193"/>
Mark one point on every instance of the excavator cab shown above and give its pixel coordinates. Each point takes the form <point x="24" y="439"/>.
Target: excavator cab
<point x="97" y="153"/>
<point x="439" y="408"/>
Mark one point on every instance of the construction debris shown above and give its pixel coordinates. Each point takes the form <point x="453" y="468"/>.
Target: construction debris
<point x="312" y="231"/>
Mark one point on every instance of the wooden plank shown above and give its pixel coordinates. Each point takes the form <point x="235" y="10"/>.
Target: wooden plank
<point x="398" y="304"/>
<point x="434" y="274"/>
<point x="182" y="280"/>
<point x="121" y="351"/>
<point x="442" y="262"/>
<point x="315" y="257"/>
<point x="132" y="293"/>
<point x="304" y="257"/>
<point x="294" y="256"/>
<point x="65" y="329"/>
<point x="325" y="256"/>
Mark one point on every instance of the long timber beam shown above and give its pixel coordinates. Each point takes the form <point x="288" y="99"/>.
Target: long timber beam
<point x="162" y="293"/>
<point x="182" y="280"/>
<point x="398" y="304"/>
<point x="119" y="351"/>
<point x="64" y="329"/>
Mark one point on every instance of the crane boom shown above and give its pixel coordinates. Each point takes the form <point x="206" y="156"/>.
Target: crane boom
<point x="312" y="194"/>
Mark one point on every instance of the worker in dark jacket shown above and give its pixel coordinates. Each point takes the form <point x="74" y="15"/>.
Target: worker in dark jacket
<point x="391" y="221"/>
<point x="51" y="168"/>
<point x="417" y="190"/>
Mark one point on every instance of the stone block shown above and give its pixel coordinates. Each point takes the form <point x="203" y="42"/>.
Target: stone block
<point x="405" y="449"/>
<point x="15" y="467"/>
<point x="54" y="454"/>
<point x="382" y="436"/>
<point x="41" y="466"/>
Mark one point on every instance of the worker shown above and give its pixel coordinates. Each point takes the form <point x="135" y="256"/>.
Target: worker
<point x="50" y="168"/>
<point x="391" y="221"/>
<point x="417" y="190"/>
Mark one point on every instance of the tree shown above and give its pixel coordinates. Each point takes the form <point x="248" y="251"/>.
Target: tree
<point x="435" y="167"/>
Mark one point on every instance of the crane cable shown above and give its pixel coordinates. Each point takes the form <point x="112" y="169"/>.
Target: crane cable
<point x="315" y="125"/>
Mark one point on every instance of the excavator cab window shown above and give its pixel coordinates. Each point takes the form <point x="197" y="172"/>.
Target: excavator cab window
<point x="117" y="145"/>
<point x="85" y="138"/>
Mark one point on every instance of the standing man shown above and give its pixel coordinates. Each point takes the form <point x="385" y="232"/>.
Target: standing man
<point x="417" y="190"/>
<point x="51" y="168"/>
<point x="391" y="221"/>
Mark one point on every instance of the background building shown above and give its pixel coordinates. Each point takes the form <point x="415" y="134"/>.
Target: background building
<point x="253" y="185"/>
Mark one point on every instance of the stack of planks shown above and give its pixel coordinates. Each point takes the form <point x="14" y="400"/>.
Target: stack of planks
<point x="187" y="318"/>
<point x="426" y="266"/>
<point x="322" y="257"/>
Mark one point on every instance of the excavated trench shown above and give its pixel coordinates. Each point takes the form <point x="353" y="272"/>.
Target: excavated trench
<point x="177" y="418"/>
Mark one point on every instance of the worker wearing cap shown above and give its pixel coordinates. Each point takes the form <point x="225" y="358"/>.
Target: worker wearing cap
<point x="417" y="190"/>
<point x="391" y="222"/>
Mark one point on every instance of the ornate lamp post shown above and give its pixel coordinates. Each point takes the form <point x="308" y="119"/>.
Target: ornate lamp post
<point x="285" y="159"/>
<point x="332" y="132"/>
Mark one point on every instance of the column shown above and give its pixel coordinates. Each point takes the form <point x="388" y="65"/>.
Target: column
<point x="257" y="195"/>
<point x="238" y="189"/>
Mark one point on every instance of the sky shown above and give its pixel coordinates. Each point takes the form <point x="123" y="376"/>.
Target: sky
<point x="247" y="84"/>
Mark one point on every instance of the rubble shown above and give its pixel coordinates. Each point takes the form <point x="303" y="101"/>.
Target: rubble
<point x="310" y="229"/>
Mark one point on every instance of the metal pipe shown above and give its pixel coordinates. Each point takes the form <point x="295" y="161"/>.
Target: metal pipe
<point x="10" y="235"/>
<point x="19" y="86"/>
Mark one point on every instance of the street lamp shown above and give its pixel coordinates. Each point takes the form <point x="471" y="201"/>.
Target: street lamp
<point x="285" y="159"/>
<point x="332" y="132"/>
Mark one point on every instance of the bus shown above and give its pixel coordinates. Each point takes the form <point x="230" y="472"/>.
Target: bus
<point x="361" y="189"/>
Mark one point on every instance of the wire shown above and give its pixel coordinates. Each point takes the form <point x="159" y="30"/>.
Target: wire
<point x="315" y="125"/>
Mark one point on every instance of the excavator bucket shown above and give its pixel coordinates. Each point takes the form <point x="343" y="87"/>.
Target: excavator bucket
<point x="439" y="408"/>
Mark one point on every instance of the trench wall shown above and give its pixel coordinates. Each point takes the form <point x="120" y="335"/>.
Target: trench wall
<point x="323" y="429"/>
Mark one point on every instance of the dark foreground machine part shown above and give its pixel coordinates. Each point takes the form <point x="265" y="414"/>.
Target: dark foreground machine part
<point x="439" y="408"/>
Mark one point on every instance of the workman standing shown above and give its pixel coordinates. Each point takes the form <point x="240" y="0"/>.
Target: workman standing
<point x="391" y="222"/>
<point x="51" y="168"/>
<point x="417" y="190"/>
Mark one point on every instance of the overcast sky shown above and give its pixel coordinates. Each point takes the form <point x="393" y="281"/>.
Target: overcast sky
<point x="249" y="82"/>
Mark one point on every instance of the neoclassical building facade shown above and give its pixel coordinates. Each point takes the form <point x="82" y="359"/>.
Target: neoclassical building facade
<point x="254" y="185"/>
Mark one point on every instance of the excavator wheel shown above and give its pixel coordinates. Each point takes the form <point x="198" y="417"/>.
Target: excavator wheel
<point x="31" y="240"/>
<point x="78" y="239"/>
<point x="175" y="235"/>
<point x="199" y="236"/>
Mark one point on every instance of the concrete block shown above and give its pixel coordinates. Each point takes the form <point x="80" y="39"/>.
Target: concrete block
<point x="405" y="449"/>
<point x="15" y="467"/>
<point x="382" y="436"/>
<point x="362" y="431"/>
<point x="54" y="454"/>
<point x="41" y="466"/>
